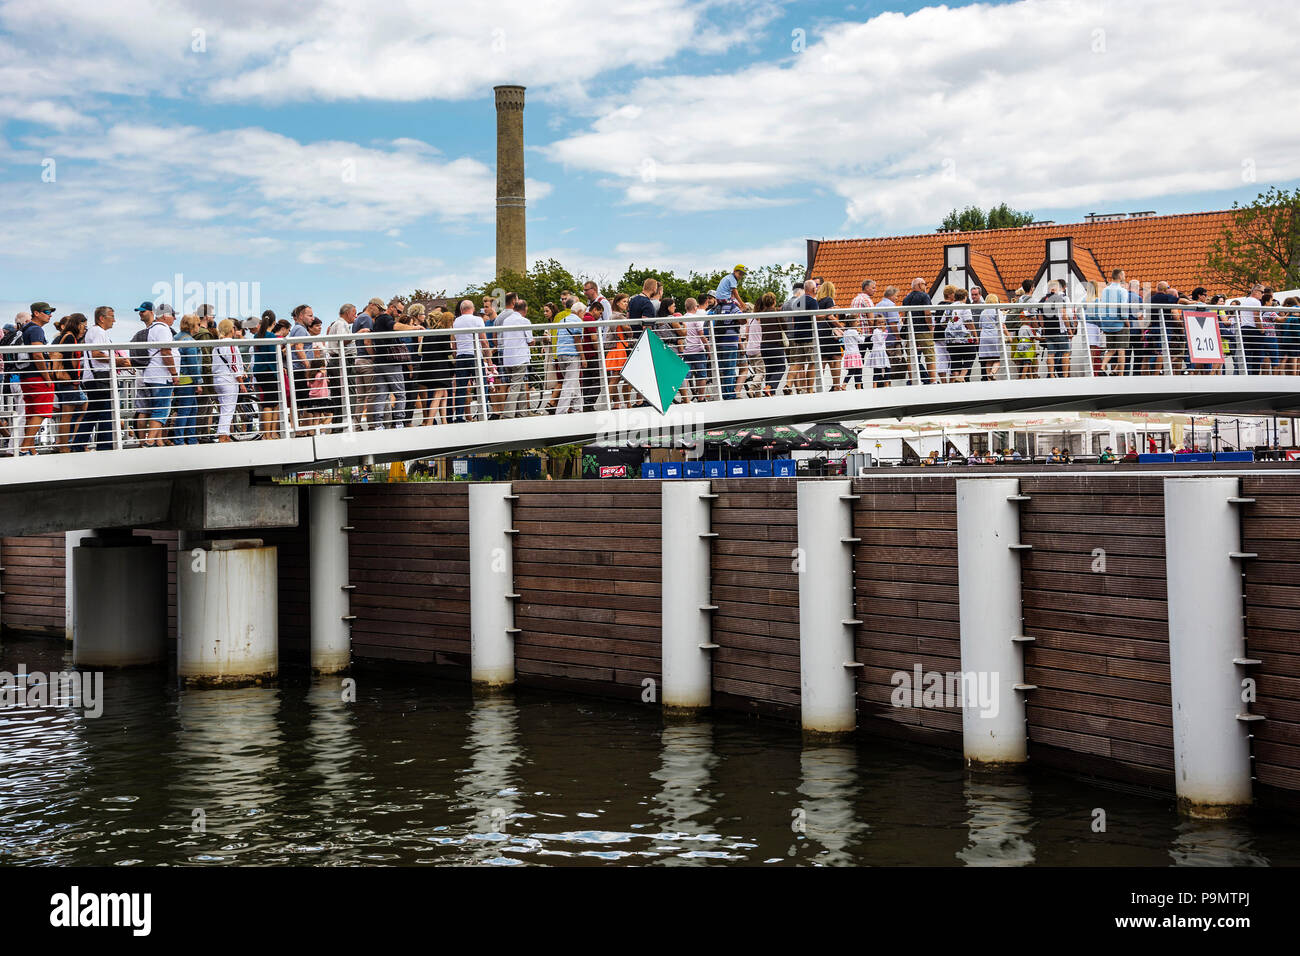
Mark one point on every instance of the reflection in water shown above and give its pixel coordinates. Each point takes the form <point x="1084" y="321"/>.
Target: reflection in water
<point x="999" y="823"/>
<point x="1215" y="843"/>
<point x="416" y="772"/>
<point x="231" y="742"/>
<point x="684" y="775"/>
<point x="488" y="789"/>
<point x="331" y="744"/>
<point x="830" y="783"/>
<point x="39" y="746"/>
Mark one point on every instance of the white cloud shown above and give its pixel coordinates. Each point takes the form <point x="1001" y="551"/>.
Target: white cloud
<point x="402" y="50"/>
<point x="146" y="186"/>
<point x="1039" y="103"/>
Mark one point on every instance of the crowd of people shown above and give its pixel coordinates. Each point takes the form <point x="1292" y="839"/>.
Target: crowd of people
<point x="194" y="378"/>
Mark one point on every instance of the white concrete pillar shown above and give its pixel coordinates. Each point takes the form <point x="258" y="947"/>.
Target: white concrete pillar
<point x="491" y="585"/>
<point x="70" y="541"/>
<point x="121" y="602"/>
<point x="992" y="659"/>
<point x="686" y="617"/>
<point x="828" y="699"/>
<point x="1207" y="645"/>
<point x="228" y="601"/>
<point x="331" y="630"/>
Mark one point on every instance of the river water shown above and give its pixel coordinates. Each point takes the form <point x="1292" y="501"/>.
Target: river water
<point x="422" y="772"/>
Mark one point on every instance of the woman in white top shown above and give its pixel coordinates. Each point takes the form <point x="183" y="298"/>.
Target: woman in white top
<point x="227" y="377"/>
<point x="693" y="350"/>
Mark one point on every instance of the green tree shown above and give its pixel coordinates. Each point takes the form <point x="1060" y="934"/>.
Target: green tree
<point x="972" y="218"/>
<point x="1004" y="217"/>
<point x="1261" y="244"/>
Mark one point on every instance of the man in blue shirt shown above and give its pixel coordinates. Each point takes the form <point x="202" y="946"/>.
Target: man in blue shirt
<point x="1115" y="316"/>
<point x="727" y="331"/>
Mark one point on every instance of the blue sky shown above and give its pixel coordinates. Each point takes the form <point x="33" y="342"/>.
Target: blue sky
<point x="332" y="152"/>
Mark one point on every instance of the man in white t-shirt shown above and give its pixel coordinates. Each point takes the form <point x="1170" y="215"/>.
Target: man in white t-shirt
<point x="1252" y="339"/>
<point x="516" y="342"/>
<point x="159" y="378"/>
<point x="96" y="429"/>
<point x="466" y="367"/>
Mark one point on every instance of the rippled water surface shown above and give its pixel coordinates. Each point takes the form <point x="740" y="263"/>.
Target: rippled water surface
<point x="421" y="772"/>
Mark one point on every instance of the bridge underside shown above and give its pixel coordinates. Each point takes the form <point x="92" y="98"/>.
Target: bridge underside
<point x="97" y="470"/>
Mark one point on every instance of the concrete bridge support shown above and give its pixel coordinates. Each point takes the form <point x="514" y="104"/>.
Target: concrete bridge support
<point x="227" y="595"/>
<point x="331" y="629"/>
<point x="119" y="601"/>
<point x="827" y="670"/>
<point x="1209" y="668"/>
<point x="70" y="541"/>
<point x="687" y="613"/>
<point x="491" y="585"/>
<point x="992" y="681"/>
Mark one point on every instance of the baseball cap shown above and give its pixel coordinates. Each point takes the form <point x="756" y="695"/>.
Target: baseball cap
<point x="739" y="268"/>
<point x="144" y="307"/>
<point x="42" y="307"/>
<point x="376" y="301"/>
<point x="164" y="309"/>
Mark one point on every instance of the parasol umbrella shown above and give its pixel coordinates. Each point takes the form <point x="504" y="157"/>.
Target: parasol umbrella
<point x="825" y="436"/>
<point x="774" y="438"/>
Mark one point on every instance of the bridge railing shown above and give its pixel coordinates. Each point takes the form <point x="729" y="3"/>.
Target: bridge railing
<point x="76" y="397"/>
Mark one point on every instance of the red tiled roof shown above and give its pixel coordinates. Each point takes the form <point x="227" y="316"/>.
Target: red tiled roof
<point x="1172" y="248"/>
<point x="986" y="270"/>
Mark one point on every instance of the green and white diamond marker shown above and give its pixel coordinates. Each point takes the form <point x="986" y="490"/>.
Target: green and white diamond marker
<point x="655" y="370"/>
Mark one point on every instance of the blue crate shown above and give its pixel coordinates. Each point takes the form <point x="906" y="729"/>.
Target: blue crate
<point x="672" y="469"/>
<point x="1156" y="459"/>
<point x="784" y="468"/>
<point x="694" y="469"/>
<point x="649" y="469"/>
<point x="1194" y="457"/>
<point x="715" y="469"/>
<point x="737" y="469"/>
<point x="760" y="469"/>
<point x="1234" y="456"/>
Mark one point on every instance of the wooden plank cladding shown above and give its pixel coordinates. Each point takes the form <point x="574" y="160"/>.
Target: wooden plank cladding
<point x="587" y="571"/>
<point x="1093" y="590"/>
<point x="1272" y="583"/>
<point x="755" y="586"/>
<point x="33" y="583"/>
<point x="409" y="561"/>
<point x="905" y="581"/>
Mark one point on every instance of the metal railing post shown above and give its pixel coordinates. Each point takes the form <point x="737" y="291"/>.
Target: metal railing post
<point x="293" y="391"/>
<point x="713" y="351"/>
<point x="1002" y="342"/>
<point x="914" y="358"/>
<point x="343" y="386"/>
<point x="1164" y="345"/>
<point x="482" y="376"/>
<point x="1242" y="364"/>
<point x="118" y="441"/>
<point x="280" y="389"/>
<point x="817" y="354"/>
<point x="604" y="372"/>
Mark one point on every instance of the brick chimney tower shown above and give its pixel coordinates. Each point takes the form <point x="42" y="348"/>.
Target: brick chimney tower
<point x="511" y="245"/>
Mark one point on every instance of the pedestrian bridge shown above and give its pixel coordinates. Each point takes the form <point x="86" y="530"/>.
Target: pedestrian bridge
<point x="327" y="449"/>
<point x="347" y="436"/>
